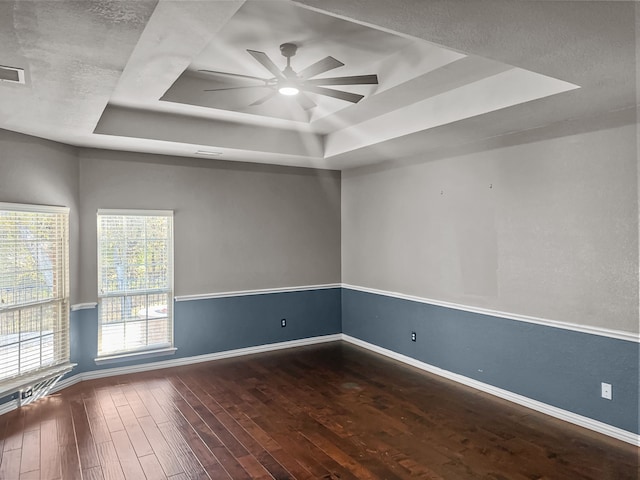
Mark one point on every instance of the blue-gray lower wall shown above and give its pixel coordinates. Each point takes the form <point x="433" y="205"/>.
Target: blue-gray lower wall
<point x="220" y="324"/>
<point x="555" y="366"/>
<point x="559" y="367"/>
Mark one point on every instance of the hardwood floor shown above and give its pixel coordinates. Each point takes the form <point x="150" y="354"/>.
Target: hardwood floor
<point x="332" y="411"/>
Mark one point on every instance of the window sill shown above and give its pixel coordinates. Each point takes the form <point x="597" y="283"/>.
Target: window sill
<point x="125" y="357"/>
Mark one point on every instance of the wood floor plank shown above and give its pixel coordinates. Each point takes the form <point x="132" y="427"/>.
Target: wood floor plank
<point x="127" y="455"/>
<point x="135" y="402"/>
<point x="10" y="466"/>
<point x="211" y="436"/>
<point x="254" y="468"/>
<point x="321" y="418"/>
<point x="30" y="475"/>
<point x="164" y="453"/>
<point x="109" y="411"/>
<point x="69" y="462"/>
<point x="30" y="451"/>
<point x="136" y="435"/>
<point x="333" y="412"/>
<point x="239" y="404"/>
<point x="151" y="404"/>
<point x="118" y="397"/>
<point x="93" y="473"/>
<point x="84" y="437"/>
<point x="207" y="446"/>
<point x="256" y="449"/>
<point x="283" y="458"/>
<point x="14" y="430"/>
<point x="286" y="431"/>
<point x="180" y="476"/>
<point x="68" y="450"/>
<point x="341" y="422"/>
<point x="50" y="468"/>
<point x="195" y="401"/>
<point x="152" y="468"/>
<point x="189" y="442"/>
<point x="97" y="422"/>
<point x="187" y="458"/>
<point x="271" y="404"/>
<point x="109" y="461"/>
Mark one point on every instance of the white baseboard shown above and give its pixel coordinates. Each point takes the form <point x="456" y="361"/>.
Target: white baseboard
<point x="8" y="406"/>
<point x="177" y="362"/>
<point x="600" y="427"/>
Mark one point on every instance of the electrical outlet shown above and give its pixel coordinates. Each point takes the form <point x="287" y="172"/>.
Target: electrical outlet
<point x="283" y="322"/>
<point x="26" y="393"/>
<point x="413" y="336"/>
<point x="607" y="391"/>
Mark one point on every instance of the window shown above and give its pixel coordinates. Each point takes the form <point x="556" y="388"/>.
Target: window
<point x="135" y="282"/>
<point x="34" y="296"/>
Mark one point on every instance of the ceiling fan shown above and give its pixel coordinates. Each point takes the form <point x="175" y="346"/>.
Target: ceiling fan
<point x="288" y="82"/>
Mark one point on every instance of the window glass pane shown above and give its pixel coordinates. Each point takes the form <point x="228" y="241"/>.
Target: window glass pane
<point x="112" y="337"/>
<point x="34" y="327"/>
<point x="135" y="282"/>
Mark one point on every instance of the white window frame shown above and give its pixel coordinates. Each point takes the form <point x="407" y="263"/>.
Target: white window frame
<point x="149" y="350"/>
<point x="60" y="342"/>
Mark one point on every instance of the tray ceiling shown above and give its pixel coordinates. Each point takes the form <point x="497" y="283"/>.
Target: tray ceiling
<point x="126" y="75"/>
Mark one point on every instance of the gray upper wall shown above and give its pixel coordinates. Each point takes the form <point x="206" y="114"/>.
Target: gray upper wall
<point x="237" y="226"/>
<point x="41" y="172"/>
<point x="546" y="229"/>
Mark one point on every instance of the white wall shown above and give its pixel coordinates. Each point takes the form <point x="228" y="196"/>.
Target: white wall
<point x="37" y="171"/>
<point x="547" y="229"/>
<point x="237" y="226"/>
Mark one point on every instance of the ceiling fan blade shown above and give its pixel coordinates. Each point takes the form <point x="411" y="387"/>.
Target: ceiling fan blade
<point x="347" y="96"/>
<point x="233" y="88"/>
<point x="324" y="65"/>
<point x="305" y="102"/>
<point x="267" y="63"/>
<point x="354" y="80"/>
<point x="234" y="75"/>
<point x="260" y="101"/>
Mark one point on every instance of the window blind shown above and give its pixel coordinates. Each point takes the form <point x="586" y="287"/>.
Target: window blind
<point x="135" y="281"/>
<point x="34" y="297"/>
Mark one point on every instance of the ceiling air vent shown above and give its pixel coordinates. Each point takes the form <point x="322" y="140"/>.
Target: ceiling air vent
<point x="11" y="74"/>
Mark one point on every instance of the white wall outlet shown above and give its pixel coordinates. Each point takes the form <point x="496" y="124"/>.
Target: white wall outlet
<point x="607" y="390"/>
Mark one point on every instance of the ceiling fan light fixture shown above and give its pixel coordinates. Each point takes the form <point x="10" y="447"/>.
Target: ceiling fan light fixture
<point x="288" y="89"/>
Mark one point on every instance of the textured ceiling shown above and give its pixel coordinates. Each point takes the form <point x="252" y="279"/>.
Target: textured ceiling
<point x="453" y="76"/>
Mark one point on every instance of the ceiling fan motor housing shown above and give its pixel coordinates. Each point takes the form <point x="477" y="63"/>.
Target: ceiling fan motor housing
<point x="288" y="49"/>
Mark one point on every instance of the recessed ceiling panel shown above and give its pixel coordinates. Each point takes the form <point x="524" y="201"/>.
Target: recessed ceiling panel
<point x="265" y="25"/>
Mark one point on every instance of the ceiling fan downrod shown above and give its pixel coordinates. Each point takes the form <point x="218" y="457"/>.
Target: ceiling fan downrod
<point x="288" y="50"/>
